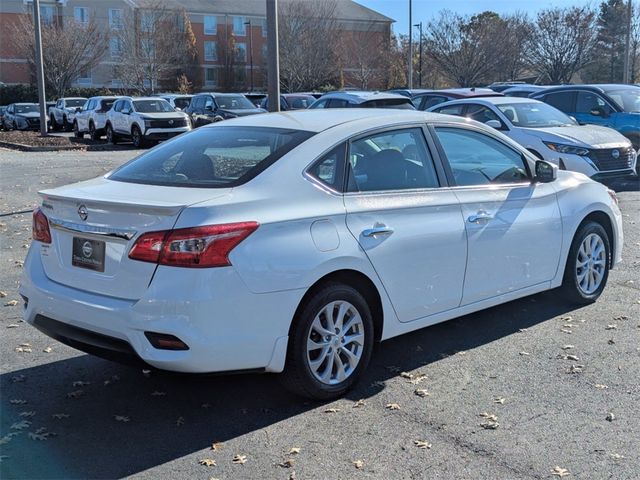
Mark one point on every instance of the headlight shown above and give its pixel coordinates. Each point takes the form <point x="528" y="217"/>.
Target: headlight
<point x="567" y="149"/>
<point x="147" y="123"/>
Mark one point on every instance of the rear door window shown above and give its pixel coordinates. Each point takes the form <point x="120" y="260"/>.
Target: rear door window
<point x="431" y="101"/>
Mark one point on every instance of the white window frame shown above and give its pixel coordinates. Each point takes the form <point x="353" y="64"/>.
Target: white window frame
<point x="243" y="31"/>
<point x="147" y="21"/>
<point x="85" y="15"/>
<point x="212" y="31"/>
<point x="114" y="53"/>
<point x="115" y="20"/>
<point x="214" y="46"/>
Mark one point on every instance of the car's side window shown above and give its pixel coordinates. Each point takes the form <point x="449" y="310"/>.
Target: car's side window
<point x="117" y="106"/>
<point x="457" y="110"/>
<point x="330" y="168"/>
<point x="391" y="160"/>
<point x="432" y="101"/>
<point x="319" y="104"/>
<point x="478" y="159"/>
<point x="563" y="101"/>
<point x="208" y="102"/>
<point x="588" y="101"/>
<point x="480" y="113"/>
<point x="337" y="103"/>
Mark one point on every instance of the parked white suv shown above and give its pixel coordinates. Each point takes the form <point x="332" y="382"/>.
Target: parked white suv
<point x="144" y="120"/>
<point x="92" y="118"/>
<point x="63" y="113"/>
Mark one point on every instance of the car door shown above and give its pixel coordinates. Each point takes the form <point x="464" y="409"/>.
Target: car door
<point x="123" y="118"/>
<point x="82" y="117"/>
<point x="514" y="230"/>
<point x="408" y="225"/>
<point x="592" y="108"/>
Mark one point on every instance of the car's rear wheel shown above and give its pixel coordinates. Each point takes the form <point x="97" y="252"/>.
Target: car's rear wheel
<point x="76" y="131"/>
<point x="93" y="133"/>
<point x="330" y="343"/>
<point x="65" y="124"/>
<point x="587" y="268"/>
<point x="111" y="136"/>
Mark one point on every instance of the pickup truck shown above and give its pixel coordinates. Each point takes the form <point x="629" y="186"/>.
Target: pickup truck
<point x="62" y="114"/>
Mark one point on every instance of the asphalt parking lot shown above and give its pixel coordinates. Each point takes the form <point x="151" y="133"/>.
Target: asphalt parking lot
<point x="531" y="389"/>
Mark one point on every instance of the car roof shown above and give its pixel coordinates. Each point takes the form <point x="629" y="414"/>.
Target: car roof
<point x="461" y="93"/>
<point x="364" y="96"/>
<point x="595" y="87"/>
<point x="24" y="103"/>
<point x="317" y="120"/>
<point x="173" y="95"/>
<point x="219" y="94"/>
<point x="144" y="98"/>
<point x="105" y="97"/>
<point x="489" y="101"/>
<point x="73" y="98"/>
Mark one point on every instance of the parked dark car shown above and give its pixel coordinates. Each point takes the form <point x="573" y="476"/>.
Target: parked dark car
<point x="291" y="101"/>
<point x="3" y="108"/>
<point x="409" y="92"/>
<point x="22" y="116"/>
<point x="255" y="97"/>
<point x="523" y="91"/>
<point x="614" y="106"/>
<point x="358" y="99"/>
<point x="424" y="101"/>
<point x="214" y="107"/>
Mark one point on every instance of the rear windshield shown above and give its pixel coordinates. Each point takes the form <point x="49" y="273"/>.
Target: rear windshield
<point x="75" y="102"/>
<point x="211" y="157"/>
<point x="26" y="108"/>
<point x="152" y="106"/>
<point x="399" y="103"/>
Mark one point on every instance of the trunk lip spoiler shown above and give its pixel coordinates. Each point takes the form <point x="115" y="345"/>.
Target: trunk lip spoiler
<point x="92" y="229"/>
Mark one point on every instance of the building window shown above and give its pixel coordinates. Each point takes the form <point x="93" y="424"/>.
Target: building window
<point x="240" y="52"/>
<point x="47" y="13"/>
<point x="115" y="47"/>
<point x="239" y="28"/>
<point x="147" y="21"/>
<point x="180" y="23"/>
<point x="115" y="18"/>
<point x="81" y="15"/>
<point x="210" y="51"/>
<point x="148" y="47"/>
<point x="264" y="52"/>
<point x="211" y="77"/>
<point x="263" y="24"/>
<point x="84" y="77"/>
<point x="210" y="25"/>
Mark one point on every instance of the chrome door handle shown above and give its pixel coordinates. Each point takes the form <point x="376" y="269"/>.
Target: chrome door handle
<point x="373" y="232"/>
<point x="481" y="216"/>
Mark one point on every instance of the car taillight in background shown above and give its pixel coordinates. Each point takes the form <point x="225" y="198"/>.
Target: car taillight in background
<point x="40" y="230"/>
<point x="198" y="247"/>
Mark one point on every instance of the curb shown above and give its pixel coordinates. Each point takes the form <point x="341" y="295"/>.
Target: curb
<point x="30" y="148"/>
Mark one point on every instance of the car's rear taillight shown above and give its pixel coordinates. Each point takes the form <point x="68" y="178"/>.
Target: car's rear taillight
<point x="40" y="231"/>
<point x="198" y="247"/>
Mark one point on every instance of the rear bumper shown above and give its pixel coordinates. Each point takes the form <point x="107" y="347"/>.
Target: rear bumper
<point x="226" y="327"/>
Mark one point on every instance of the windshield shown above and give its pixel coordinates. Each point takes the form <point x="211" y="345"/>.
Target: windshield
<point x="234" y="102"/>
<point x="213" y="157"/>
<point x="534" y="115"/>
<point x="182" y="102"/>
<point x="26" y="108"/>
<point x="75" y="102"/>
<point x="399" y="103"/>
<point x="628" y="99"/>
<point x="152" y="106"/>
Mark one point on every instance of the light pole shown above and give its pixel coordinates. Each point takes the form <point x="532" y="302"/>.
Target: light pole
<point x="410" y="79"/>
<point x="273" y="55"/>
<point x="626" y="74"/>
<point x="419" y="25"/>
<point x="250" y="53"/>
<point x="42" y="99"/>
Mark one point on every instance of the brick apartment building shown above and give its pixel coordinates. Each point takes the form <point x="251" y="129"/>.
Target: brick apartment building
<point x="210" y="20"/>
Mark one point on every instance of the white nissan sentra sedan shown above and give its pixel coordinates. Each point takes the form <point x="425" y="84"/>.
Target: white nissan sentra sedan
<point x="292" y="242"/>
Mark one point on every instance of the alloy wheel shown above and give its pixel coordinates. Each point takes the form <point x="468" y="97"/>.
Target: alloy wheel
<point x="590" y="263"/>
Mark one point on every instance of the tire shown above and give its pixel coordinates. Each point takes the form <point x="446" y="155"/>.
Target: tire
<point x="93" y="133"/>
<point x="15" y="125"/>
<point x="76" y="132"/>
<point x="322" y="380"/>
<point x="66" y="126"/>
<point x="137" y="138"/>
<point x="54" y="125"/>
<point x="111" y="136"/>
<point x="584" y="284"/>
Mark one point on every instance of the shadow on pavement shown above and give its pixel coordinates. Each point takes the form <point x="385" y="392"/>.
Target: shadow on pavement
<point x="92" y="444"/>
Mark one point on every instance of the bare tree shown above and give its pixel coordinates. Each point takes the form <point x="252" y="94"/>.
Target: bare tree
<point x="513" y="59"/>
<point x="561" y="42"/>
<point x="308" y="33"/>
<point x="156" y="44"/>
<point x="465" y="49"/>
<point x="67" y="50"/>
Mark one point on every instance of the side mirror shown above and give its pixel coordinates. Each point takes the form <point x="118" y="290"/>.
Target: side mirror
<point x="493" y="124"/>
<point x="545" y="172"/>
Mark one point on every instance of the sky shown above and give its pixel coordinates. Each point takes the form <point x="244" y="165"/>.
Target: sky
<point x="423" y="10"/>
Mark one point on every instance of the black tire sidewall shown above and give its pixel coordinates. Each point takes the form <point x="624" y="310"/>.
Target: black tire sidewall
<point x="298" y="375"/>
<point x="570" y="282"/>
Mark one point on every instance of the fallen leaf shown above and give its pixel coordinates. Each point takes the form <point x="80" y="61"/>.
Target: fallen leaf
<point x="32" y="413"/>
<point x="6" y="439"/>
<point x="611" y="341"/>
<point x="421" y="392"/>
<point x="332" y="410"/>
<point x="422" y="444"/>
<point x="392" y="406"/>
<point x="47" y="350"/>
<point x="288" y="463"/>
<point x="208" y="462"/>
<point x="575" y="368"/>
<point x="121" y="418"/>
<point x="617" y="456"/>
<point x="60" y="416"/>
<point x="3" y="294"/>
<point x="18" y="378"/>
<point x="568" y="318"/>
<point x="11" y="303"/>
<point x="20" y="425"/>
<point x="523" y="330"/>
<point x="358" y="464"/>
<point x="417" y="379"/>
<point x="217" y="446"/>
<point x="13" y="325"/>
<point x="621" y="318"/>
<point x="180" y="421"/>
<point x="146" y="372"/>
<point x="38" y="436"/>
<point x="525" y="354"/>
<point x="567" y="347"/>
<point x="490" y="425"/>
<point x="17" y="402"/>
<point x="611" y="327"/>
<point x="560" y="472"/>
<point x="566" y="330"/>
<point x="610" y="417"/>
<point x="359" y="403"/>
<point x="406" y="375"/>
<point x="499" y="400"/>
<point x="461" y="352"/>
<point x="601" y="386"/>
<point x="23" y="349"/>
<point x="294" y="451"/>
<point x="489" y="416"/>
<point x="239" y="459"/>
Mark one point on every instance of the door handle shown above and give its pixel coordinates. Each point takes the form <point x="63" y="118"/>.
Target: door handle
<point x="373" y="232"/>
<point x="480" y="216"/>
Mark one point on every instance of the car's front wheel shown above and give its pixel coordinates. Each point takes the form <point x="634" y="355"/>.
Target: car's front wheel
<point x="93" y="133"/>
<point x="330" y="343"/>
<point x="587" y="268"/>
<point x="65" y="124"/>
<point x="76" y="131"/>
<point x="111" y="136"/>
<point x="137" y="138"/>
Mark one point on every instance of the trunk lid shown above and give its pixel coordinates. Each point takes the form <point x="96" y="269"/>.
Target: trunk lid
<point x="94" y="224"/>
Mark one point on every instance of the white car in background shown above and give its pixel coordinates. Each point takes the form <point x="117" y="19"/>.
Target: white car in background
<point x="292" y="242"/>
<point x="548" y="133"/>
<point x="92" y="118"/>
<point x="144" y="120"/>
<point x="63" y="113"/>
